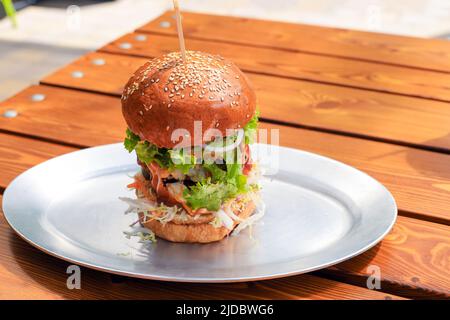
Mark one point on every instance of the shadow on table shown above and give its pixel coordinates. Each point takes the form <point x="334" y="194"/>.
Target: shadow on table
<point x="438" y="169"/>
<point x="434" y="165"/>
<point x="419" y="162"/>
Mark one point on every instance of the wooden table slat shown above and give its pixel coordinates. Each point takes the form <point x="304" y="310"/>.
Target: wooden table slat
<point x="363" y="113"/>
<point x="18" y="154"/>
<point x="432" y="54"/>
<point x="322" y="69"/>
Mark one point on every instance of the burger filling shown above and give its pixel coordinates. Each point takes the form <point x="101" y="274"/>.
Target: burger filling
<point x="195" y="185"/>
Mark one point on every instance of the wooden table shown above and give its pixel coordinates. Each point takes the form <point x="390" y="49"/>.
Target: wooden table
<point x="377" y="102"/>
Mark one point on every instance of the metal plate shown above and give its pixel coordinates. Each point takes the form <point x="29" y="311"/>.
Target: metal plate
<point x="319" y="212"/>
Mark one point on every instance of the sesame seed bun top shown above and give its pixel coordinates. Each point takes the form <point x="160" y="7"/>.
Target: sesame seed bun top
<point x="168" y="93"/>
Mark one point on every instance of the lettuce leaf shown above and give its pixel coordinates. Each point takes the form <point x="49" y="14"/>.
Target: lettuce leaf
<point x="217" y="174"/>
<point x="221" y="186"/>
<point x="181" y="160"/>
<point x="226" y="180"/>
<point x="205" y="195"/>
<point x="147" y="152"/>
<point x="250" y="129"/>
<point x="210" y="195"/>
<point x="165" y="158"/>
<point x="131" y="140"/>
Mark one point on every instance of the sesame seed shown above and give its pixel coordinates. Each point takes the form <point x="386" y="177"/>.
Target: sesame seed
<point x="167" y="128"/>
<point x="203" y="71"/>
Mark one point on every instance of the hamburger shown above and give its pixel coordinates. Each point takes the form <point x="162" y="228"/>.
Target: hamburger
<point x="190" y="122"/>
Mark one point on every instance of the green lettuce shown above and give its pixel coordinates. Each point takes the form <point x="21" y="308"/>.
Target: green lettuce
<point x="181" y="160"/>
<point x="206" y="194"/>
<point x="131" y="140"/>
<point x="250" y="129"/>
<point x="165" y="158"/>
<point x="226" y="180"/>
<point x="221" y="186"/>
<point x="217" y="173"/>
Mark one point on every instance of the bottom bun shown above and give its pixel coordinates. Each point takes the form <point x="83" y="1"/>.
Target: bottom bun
<point x="195" y="233"/>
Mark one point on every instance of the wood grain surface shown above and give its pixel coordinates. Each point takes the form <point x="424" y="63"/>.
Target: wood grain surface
<point x="356" y="112"/>
<point x="322" y="69"/>
<point x="27" y="273"/>
<point x="18" y="154"/>
<point x="414" y="250"/>
<point x="377" y="102"/>
<point x="418" y="179"/>
<point x="413" y="259"/>
<point x="77" y="116"/>
<point x="432" y="54"/>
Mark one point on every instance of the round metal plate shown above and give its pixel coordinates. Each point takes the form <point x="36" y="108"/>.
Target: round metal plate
<point x="319" y="212"/>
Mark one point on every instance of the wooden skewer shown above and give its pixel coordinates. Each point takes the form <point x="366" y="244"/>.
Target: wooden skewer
<point x="179" y="29"/>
